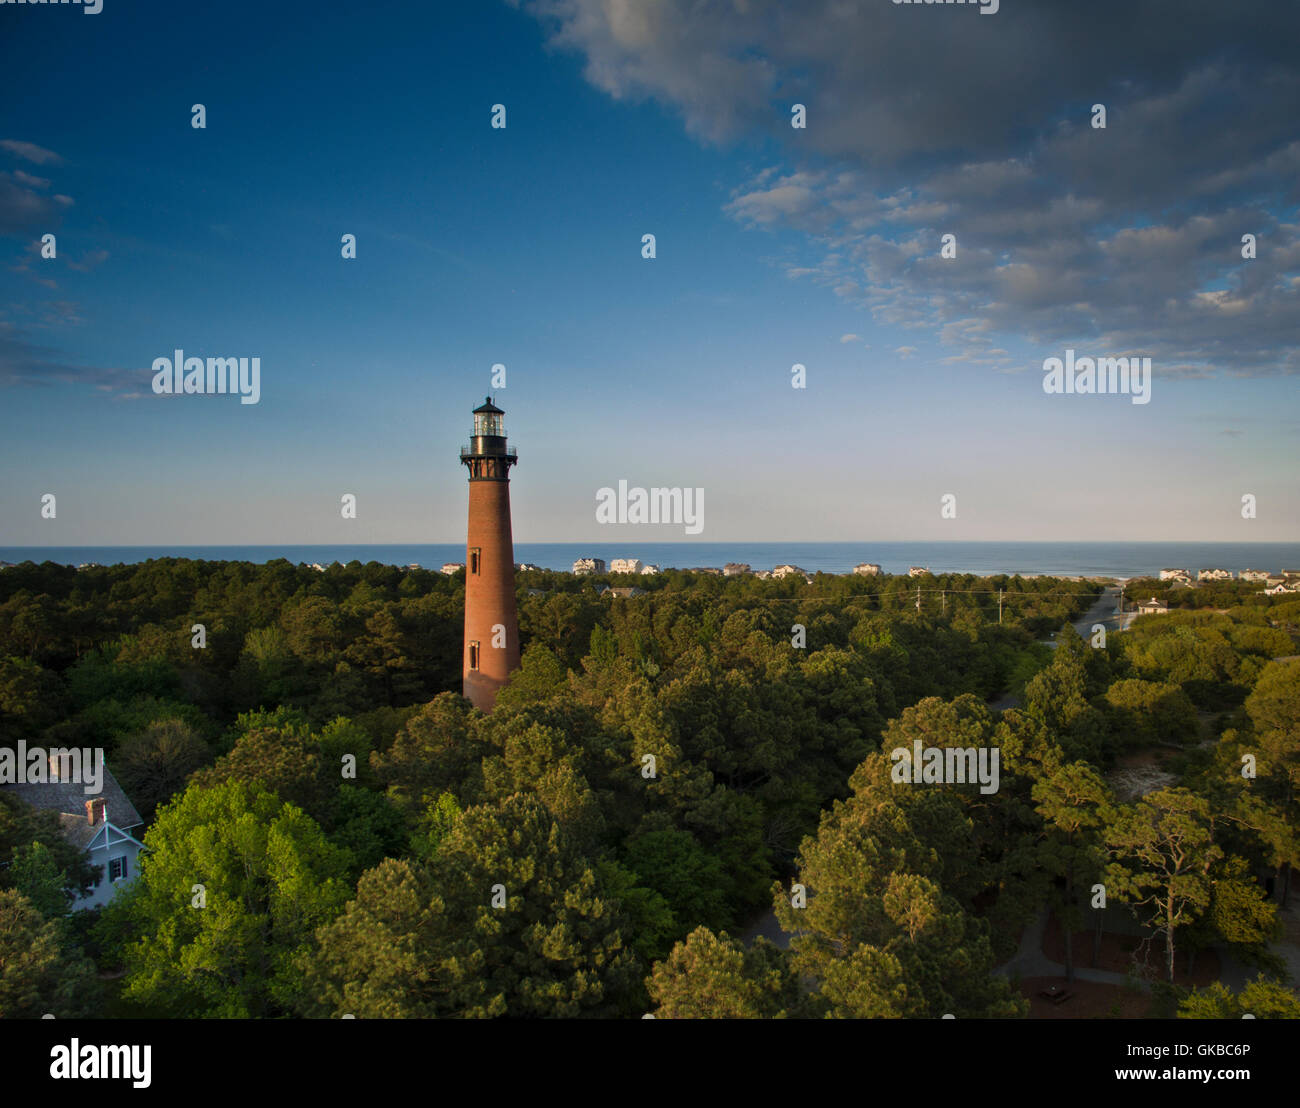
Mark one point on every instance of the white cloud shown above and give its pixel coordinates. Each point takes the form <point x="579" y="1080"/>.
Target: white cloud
<point x="29" y="151"/>
<point x="1127" y="237"/>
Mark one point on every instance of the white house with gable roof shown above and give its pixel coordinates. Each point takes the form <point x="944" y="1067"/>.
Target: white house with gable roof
<point x="100" y="824"/>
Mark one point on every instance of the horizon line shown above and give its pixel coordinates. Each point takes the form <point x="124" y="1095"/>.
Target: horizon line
<point x="667" y="542"/>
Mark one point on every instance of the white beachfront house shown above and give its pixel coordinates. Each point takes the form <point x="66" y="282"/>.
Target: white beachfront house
<point x="101" y="825"/>
<point x="1214" y="575"/>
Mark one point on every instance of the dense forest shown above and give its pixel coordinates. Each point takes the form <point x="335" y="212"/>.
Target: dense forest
<point x="332" y="829"/>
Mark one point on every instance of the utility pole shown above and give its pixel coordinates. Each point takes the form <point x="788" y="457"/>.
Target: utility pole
<point x="918" y="598"/>
<point x="943" y="601"/>
<point x="999" y="605"/>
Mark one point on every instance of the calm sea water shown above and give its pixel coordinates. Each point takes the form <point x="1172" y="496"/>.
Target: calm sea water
<point x="1094" y="559"/>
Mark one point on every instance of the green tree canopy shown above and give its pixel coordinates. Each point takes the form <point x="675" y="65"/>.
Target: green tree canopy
<point x="708" y="976"/>
<point x="507" y="919"/>
<point x="269" y="878"/>
<point x="39" y="972"/>
<point x="1263" y="999"/>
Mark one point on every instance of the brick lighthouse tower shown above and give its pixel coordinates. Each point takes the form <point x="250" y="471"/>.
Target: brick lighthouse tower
<point x="491" y="623"/>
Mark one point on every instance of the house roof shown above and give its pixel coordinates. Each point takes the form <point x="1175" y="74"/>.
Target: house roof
<point x="77" y="831"/>
<point x="68" y="798"/>
<point x="82" y="835"/>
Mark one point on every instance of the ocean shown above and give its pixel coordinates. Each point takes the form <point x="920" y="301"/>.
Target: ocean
<point x="1086" y="559"/>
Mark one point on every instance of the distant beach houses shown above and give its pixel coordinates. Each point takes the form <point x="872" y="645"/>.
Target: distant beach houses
<point x="1278" y="582"/>
<point x="1284" y="581"/>
<point x="584" y="567"/>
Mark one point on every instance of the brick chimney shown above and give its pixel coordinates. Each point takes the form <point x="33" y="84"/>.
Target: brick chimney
<point x="95" y="810"/>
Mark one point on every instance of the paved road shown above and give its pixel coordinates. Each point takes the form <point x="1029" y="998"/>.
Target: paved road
<point x="1030" y="961"/>
<point x="1104" y="611"/>
<point x="767" y="926"/>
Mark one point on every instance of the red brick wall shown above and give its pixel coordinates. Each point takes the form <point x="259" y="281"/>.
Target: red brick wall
<point x="490" y="593"/>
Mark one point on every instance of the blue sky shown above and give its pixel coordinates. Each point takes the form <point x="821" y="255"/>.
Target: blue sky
<point x="523" y="246"/>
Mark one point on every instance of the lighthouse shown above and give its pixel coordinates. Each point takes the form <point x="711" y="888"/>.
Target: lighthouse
<point x="491" y="623"/>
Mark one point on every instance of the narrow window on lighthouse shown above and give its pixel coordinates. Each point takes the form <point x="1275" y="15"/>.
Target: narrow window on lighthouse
<point x="473" y="655"/>
<point x="473" y="559"/>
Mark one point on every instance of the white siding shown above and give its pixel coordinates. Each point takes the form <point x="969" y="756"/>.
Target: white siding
<point x="111" y="844"/>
